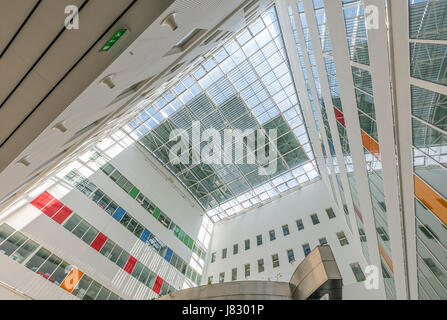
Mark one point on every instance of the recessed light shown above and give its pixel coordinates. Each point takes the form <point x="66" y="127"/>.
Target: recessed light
<point x="170" y="21"/>
<point x="25" y="161"/>
<point x="60" y="126"/>
<point x="107" y="81"/>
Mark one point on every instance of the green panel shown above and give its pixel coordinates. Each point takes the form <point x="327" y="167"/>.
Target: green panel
<point x="134" y="192"/>
<point x="156" y="213"/>
<point x="190" y="243"/>
<point x="177" y="231"/>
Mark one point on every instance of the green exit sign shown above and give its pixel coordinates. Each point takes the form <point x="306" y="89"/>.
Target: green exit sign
<point x="113" y="40"/>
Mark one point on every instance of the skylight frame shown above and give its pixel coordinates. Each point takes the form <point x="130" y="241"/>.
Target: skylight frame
<point x="215" y="67"/>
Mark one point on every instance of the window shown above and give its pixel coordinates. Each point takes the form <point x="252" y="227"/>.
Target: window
<point x="306" y="249"/>
<point x="285" y="230"/>
<point x="275" y="260"/>
<point x="314" y="218"/>
<point x="330" y="213"/>
<point x="358" y="273"/>
<point x="322" y="241"/>
<point x="259" y="239"/>
<point x="272" y="235"/>
<point x="290" y="255"/>
<point x="210" y="280"/>
<point x="221" y="277"/>
<point x="362" y="235"/>
<point x="235" y="248"/>
<point x="36" y="261"/>
<point x="247" y="244"/>
<point x="382" y="234"/>
<point x="5" y="231"/>
<point x="260" y="265"/>
<point x="12" y="243"/>
<point x="247" y="270"/>
<point x="299" y="224"/>
<point x="213" y="257"/>
<point x="234" y="274"/>
<point x="24" y="251"/>
<point x="342" y="238"/>
<point x="224" y="253"/>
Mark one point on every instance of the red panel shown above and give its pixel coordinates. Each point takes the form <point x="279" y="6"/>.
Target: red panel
<point x="98" y="242"/>
<point x="130" y="264"/>
<point x="357" y="211"/>
<point x="157" y="285"/>
<point x="42" y="200"/>
<point x="62" y="215"/>
<point x="52" y="208"/>
<point x="339" y="116"/>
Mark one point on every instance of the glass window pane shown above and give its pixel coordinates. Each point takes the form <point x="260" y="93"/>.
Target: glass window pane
<point x="12" y="243"/>
<point x="61" y="273"/>
<point x="92" y="291"/>
<point x="5" y="231"/>
<point x="39" y="258"/>
<point x="72" y="222"/>
<point x="82" y="286"/>
<point x="81" y="229"/>
<point x="47" y="269"/>
<point x="24" y="251"/>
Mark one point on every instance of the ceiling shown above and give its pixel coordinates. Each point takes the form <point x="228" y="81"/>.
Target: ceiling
<point x="51" y="76"/>
<point x="243" y="84"/>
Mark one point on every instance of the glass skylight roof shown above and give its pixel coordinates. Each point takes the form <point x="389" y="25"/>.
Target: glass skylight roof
<point x="244" y="84"/>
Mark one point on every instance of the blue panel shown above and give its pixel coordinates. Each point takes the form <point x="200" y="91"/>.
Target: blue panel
<point x="119" y="213"/>
<point x="145" y="235"/>
<point x="168" y="255"/>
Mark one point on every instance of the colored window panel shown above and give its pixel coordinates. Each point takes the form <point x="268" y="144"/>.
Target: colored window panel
<point x="339" y="116"/>
<point x="357" y="211"/>
<point x="98" y="242"/>
<point x="42" y="200"/>
<point x="385" y="256"/>
<point x="119" y="213"/>
<point x="157" y="285"/>
<point x="431" y="199"/>
<point x="62" y="215"/>
<point x="371" y="145"/>
<point x="134" y="192"/>
<point x="71" y="280"/>
<point x="52" y="208"/>
<point x="168" y="255"/>
<point x="130" y="264"/>
<point x="145" y="235"/>
<point x="156" y="213"/>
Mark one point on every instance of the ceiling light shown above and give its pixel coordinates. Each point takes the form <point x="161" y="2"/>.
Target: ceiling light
<point x="25" y="161"/>
<point x="170" y="22"/>
<point x="107" y="81"/>
<point x="61" y="127"/>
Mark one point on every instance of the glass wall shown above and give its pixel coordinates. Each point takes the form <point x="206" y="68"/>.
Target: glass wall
<point x="428" y="58"/>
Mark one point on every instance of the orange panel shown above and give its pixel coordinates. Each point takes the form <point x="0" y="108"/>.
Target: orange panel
<point x="71" y="280"/>
<point x="370" y="144"/>
<point x="431" y="199"/>
<point x="387" y="260"/>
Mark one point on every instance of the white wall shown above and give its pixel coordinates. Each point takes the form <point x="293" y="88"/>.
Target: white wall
<point x="286" y="210"/>
<point x="131" y="162"/>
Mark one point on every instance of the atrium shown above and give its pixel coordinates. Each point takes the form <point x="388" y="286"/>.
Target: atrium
<point x="206" y="149"/>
